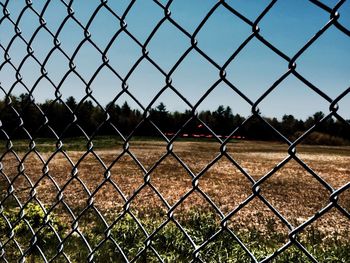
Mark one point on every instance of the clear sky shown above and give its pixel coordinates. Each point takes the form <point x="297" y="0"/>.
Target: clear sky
<point x="288" y="26"/>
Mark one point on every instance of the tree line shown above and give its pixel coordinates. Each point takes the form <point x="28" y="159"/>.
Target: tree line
<point x="70" y="119"/>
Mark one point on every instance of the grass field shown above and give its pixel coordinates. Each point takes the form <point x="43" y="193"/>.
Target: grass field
<point x="292" y="190"/>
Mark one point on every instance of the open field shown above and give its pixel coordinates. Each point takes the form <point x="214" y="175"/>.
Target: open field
<point x="146" y="169"/>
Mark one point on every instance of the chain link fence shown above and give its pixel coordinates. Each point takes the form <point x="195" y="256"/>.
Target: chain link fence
<point x="53" y="209"/>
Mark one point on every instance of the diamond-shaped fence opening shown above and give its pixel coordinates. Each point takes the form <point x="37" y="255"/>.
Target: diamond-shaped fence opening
<point x="174" y="131"/>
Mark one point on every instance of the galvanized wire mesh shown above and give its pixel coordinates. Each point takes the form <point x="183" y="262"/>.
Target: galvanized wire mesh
<point x="11" y="247"/>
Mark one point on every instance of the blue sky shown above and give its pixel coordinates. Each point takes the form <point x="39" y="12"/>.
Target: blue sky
<point x="288" y="26"/>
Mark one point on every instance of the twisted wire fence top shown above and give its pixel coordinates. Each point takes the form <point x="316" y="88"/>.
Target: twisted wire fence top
<point x="21" y="182"/>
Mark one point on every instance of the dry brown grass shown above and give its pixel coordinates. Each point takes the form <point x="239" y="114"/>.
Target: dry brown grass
<point x="294" y="192"/>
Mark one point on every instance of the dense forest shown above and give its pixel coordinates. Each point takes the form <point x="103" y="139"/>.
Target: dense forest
<point x="70" y="119"/>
